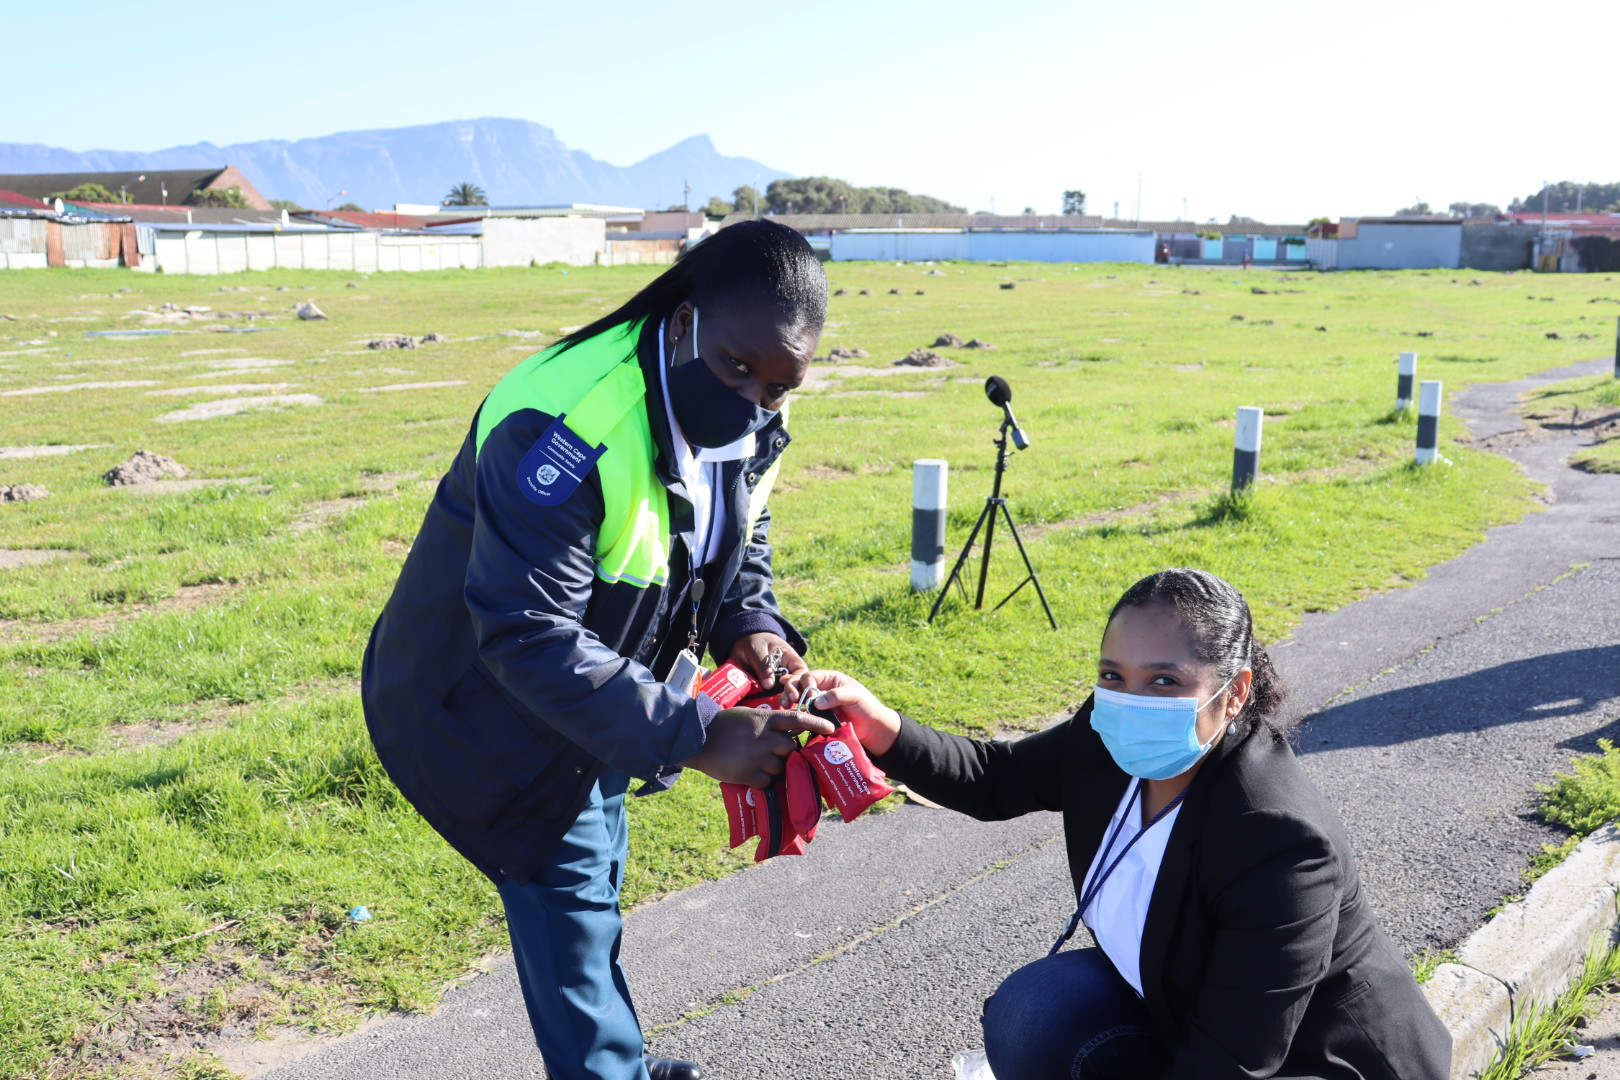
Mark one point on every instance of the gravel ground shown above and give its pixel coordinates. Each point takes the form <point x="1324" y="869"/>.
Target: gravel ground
<point x="1431" y="714"/>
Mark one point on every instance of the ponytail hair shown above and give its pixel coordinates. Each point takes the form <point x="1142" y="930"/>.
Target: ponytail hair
<point x="753" y="262"/>
<point x="1221" y="630"/>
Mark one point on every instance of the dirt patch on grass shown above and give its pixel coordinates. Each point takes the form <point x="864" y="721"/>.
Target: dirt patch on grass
<point x="411" y="386"/>
<point x="226" y="388"/>
<point x="1036" y="531"/>
<point x="144" y="467"/>
<point x="186" y="598"/>
<point x="45" y="451"/>
<point x="318" y="514"/>
<point x="67" y="388"/>
<point x="14" y="559"/>
<point x="213" y="410"/>
<point x="825" y="378"/>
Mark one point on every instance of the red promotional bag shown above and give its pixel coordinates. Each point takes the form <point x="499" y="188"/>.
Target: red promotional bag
<point x="728" y="685"/>
<point x="849" y="781"/>
<point x="784" y="815"/>
<point x="742" y="811"/>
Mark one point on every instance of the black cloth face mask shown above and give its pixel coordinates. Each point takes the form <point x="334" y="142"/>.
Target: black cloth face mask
<point x="710" y="413"/>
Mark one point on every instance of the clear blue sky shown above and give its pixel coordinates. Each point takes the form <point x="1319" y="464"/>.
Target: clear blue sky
<point x="1277" y="110"/>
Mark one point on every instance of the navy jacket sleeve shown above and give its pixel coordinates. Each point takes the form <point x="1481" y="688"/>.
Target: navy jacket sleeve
<point x="749" y="606"/>
<point x="529" y="581"/>
<point x="990" y="779"/>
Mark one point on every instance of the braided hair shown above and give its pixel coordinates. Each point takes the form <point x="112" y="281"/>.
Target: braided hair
<point x="752" y="262"/>
<point x="1221" y="630"/>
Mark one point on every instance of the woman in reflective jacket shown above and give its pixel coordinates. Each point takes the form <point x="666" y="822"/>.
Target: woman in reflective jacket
<point x="606" y="513"/>
<point x="1233" y="940"/>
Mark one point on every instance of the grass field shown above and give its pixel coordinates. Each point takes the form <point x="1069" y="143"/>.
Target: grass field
<point x="188" y="802"/>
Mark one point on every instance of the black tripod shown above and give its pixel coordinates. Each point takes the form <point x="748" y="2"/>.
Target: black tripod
<point x="987" y="522"/>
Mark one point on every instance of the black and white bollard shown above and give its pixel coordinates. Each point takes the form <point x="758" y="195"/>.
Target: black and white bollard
<point x="928" y="523"/>
<point x="1246" y="446"/>
<point x="1428" y="437"/>
<point x="1403" y="382"/>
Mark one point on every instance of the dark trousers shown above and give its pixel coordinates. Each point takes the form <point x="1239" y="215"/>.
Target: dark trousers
<point x="1070" y="1017"/>
<point x="566" y="931"/>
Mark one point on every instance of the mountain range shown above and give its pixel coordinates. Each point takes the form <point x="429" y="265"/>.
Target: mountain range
<point x="516" y="162"/>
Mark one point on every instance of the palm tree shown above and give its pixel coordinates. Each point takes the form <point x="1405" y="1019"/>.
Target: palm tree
<point x="466" y="194"/>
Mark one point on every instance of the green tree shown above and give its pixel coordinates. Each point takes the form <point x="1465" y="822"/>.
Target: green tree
<point x="717" y="208"/>
<point x="1239" y="219"/>
<point x="288" y="205"/>
<point x="825" y="195"/>
<point x="747" y="200"/>
<point x="1417" y="209"/>
<point x="356" y="207"/>
<point x="230" y="198"/>
<point x="85" y="193"/>
<point x="1074" y="202"/>
<point x="1566" y="197"/>
<point x="1474" y="209"/>
<point x="1029" y="211"/>
<point x="466" y="193"/>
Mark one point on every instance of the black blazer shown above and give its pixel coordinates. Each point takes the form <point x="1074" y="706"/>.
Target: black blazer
<point x="1260" y="957"/>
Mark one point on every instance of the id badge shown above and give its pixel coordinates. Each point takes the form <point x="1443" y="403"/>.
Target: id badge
<point x="686" y="672"/>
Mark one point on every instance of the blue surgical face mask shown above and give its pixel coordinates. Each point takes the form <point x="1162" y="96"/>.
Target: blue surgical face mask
<point x="1153" y="738"/>
<point x="709" y="412"/>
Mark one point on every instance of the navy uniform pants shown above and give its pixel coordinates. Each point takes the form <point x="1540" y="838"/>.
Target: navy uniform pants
<point x="566" y="932"/>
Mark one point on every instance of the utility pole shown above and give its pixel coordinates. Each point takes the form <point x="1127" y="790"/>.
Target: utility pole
<point x="686" y="200"/>
<point x="1184" y="209"/>
<point x="1544" y="188"/>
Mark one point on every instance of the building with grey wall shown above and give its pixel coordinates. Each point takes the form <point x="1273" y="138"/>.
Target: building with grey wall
<point x="994" y="245"/>
<point x="1409" y="243"/>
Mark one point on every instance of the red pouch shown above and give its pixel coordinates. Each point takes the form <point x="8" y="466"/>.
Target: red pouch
<point x="784" y="816"/>
<point x="803" y="796"/>
<point x="742" y="811"/>
<point x="728" y="685"/>
<point x="849" y="781"/>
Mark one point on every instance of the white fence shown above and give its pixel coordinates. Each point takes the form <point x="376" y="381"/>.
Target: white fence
<point x="206" y="251"/>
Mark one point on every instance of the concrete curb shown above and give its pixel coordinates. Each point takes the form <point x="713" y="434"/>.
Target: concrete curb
<point x="1529" y="953"/>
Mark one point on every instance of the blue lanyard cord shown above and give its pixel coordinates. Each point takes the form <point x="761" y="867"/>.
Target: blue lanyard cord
<point x="1104" y="867"/>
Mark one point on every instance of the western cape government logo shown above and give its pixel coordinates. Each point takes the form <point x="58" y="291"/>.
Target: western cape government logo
<point x="557" y="463"/>
<point x="837" y="753"/>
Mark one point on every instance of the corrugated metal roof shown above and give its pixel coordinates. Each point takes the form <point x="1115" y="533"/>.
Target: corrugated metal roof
<point x="16" y="201"/>
<point x="192" y="215"/>
<point x="181" y="183"/>
<point x="381" y="219"/>
<point x="1408" y="219"/>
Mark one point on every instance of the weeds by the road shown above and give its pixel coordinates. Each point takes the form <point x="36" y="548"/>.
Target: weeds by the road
<point x="1588" y="796"/>
<point x="180" y="747"/>
<point x="1542" y="1034"/>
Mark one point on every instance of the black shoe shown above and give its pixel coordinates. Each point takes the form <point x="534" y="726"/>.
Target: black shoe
<point x="666" y="1069"/>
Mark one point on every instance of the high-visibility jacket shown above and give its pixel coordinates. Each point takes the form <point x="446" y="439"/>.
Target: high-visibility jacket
<point x="521" y="648"/>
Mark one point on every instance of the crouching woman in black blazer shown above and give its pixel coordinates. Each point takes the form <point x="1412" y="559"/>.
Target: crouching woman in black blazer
<point x="1233" y="938"/>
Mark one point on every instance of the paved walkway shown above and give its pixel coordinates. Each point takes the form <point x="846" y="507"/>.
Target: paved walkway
<point x="1433" y="711"/>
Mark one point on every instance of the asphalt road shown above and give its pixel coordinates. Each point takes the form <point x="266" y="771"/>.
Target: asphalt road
<point x="1431" y="714"/>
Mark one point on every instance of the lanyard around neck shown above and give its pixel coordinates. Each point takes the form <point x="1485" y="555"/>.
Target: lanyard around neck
<point x="1106" y="868"/>
<point x="700" y="549"/>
